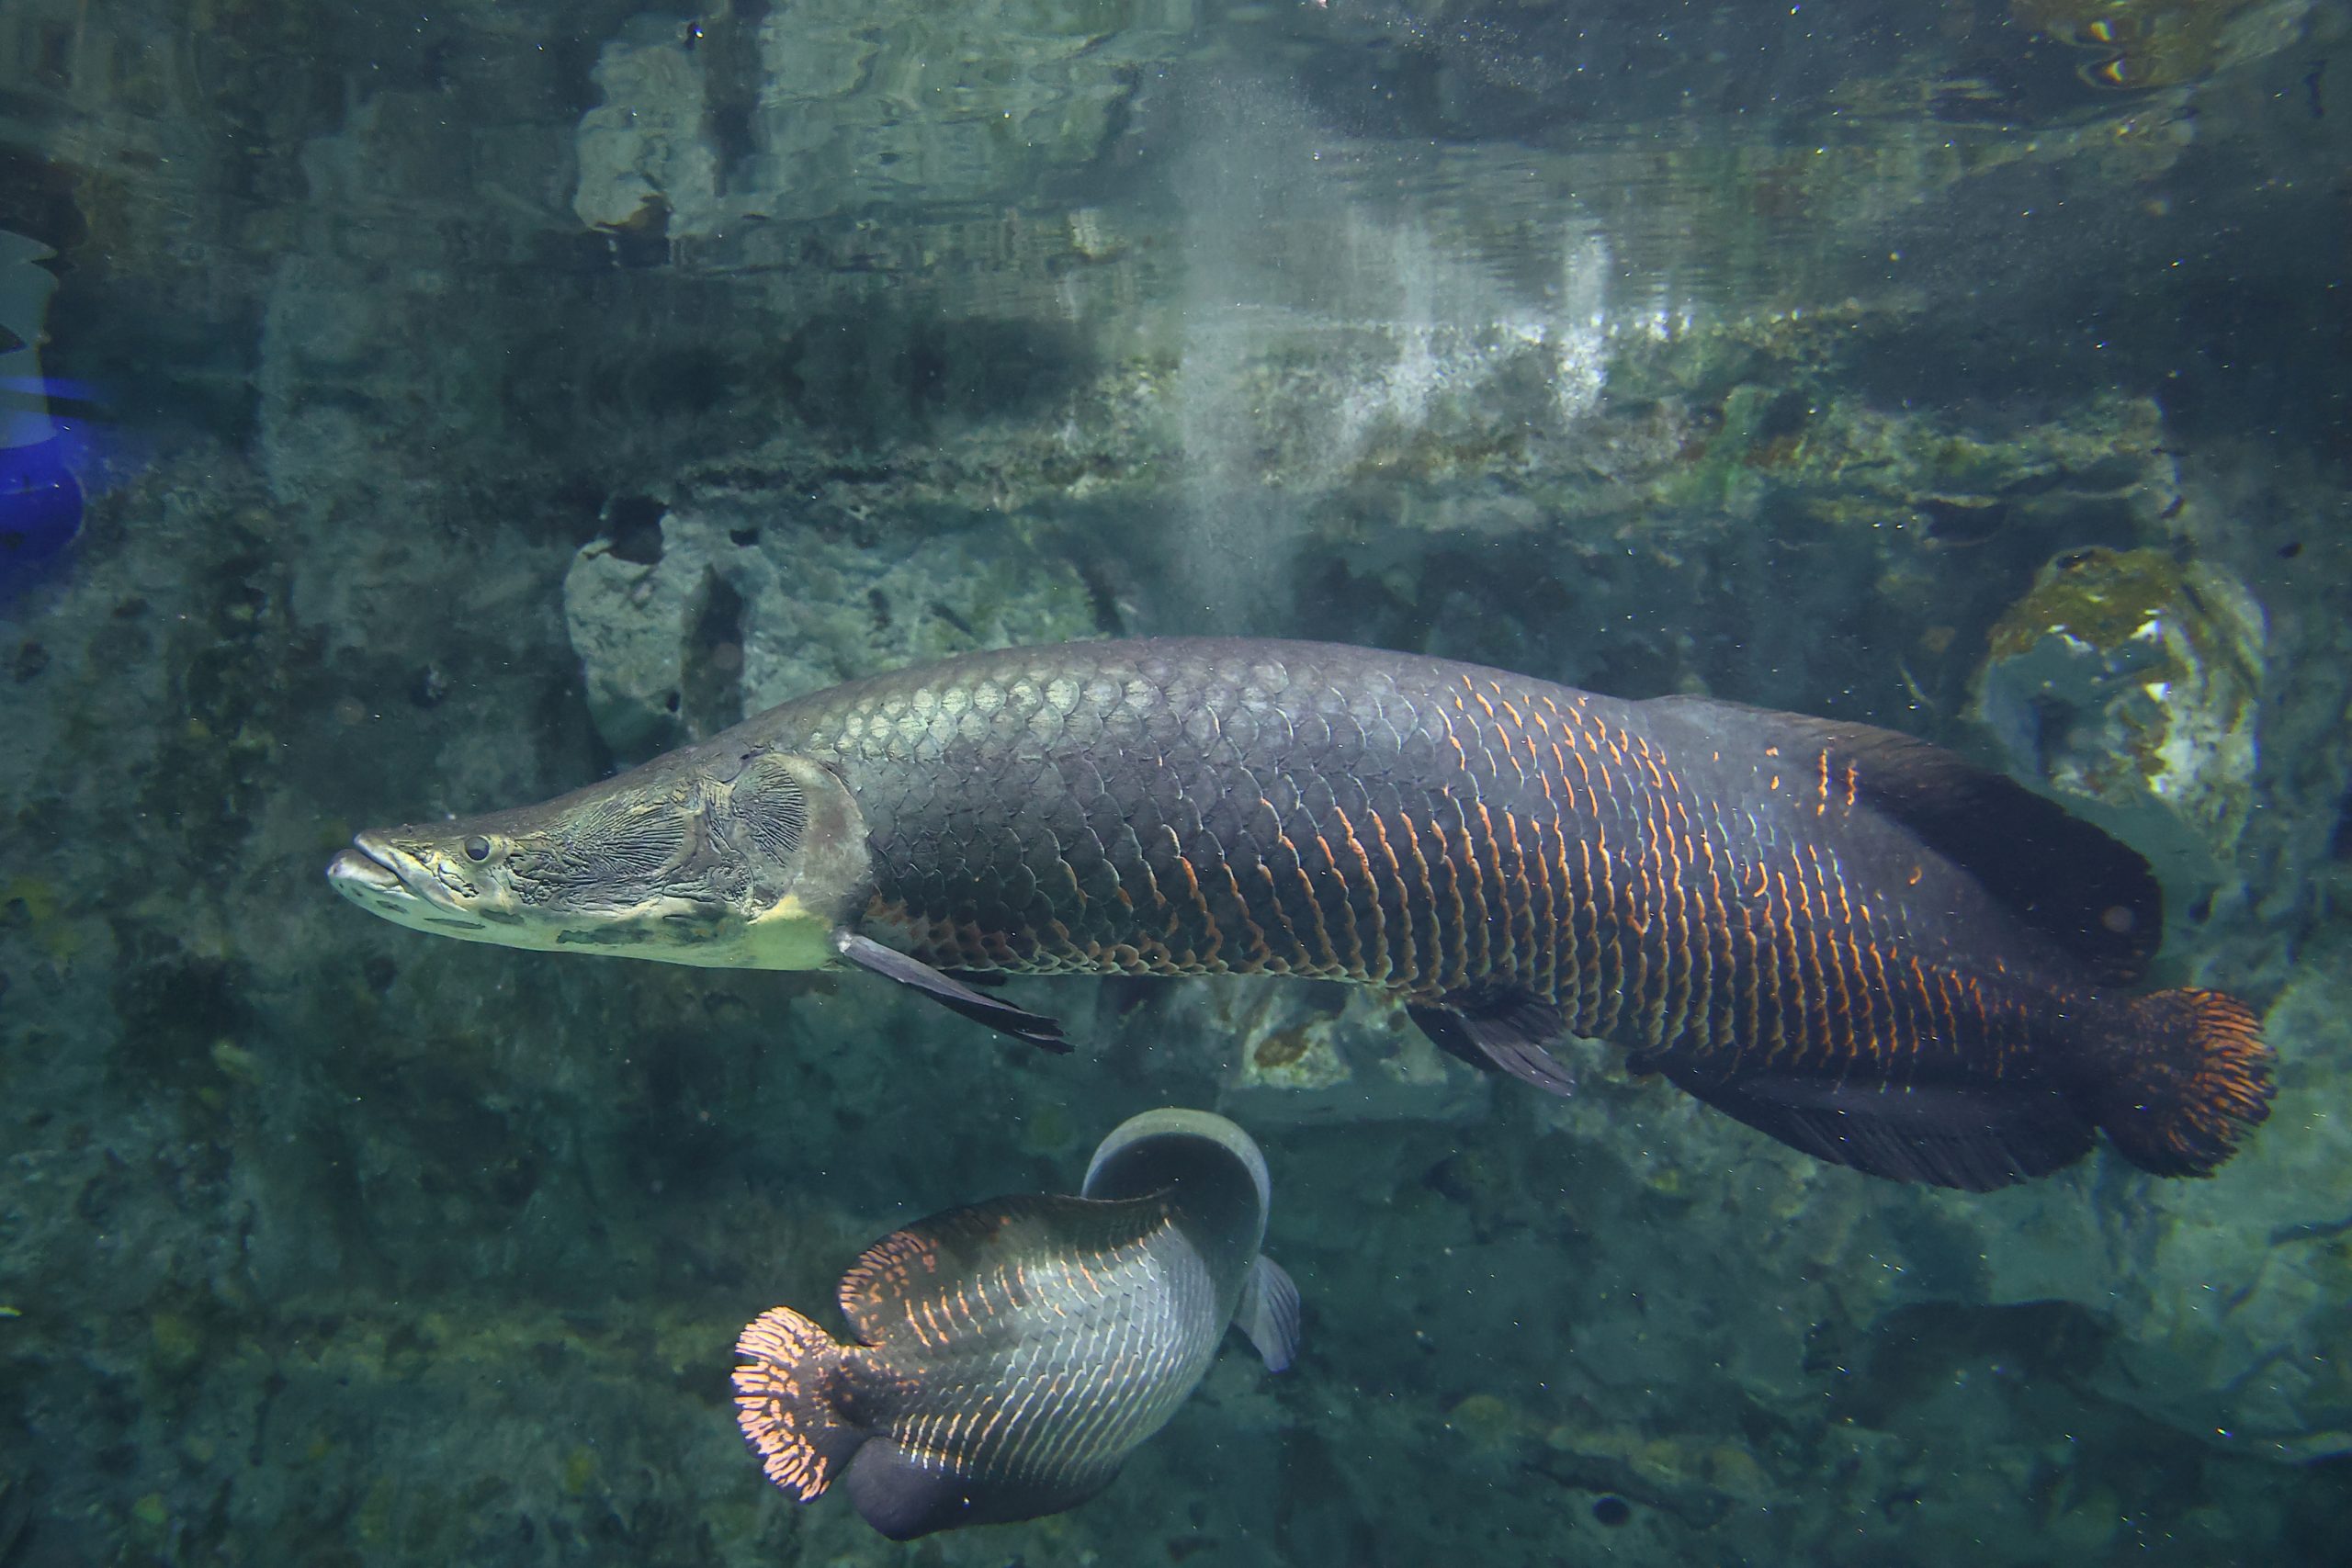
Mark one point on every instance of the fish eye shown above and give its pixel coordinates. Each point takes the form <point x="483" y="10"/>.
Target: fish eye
<point x="477" y="847"/>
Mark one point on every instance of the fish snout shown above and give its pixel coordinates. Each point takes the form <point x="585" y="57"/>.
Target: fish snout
<point x="378" y="849"/>
<point x="370" y="875"/>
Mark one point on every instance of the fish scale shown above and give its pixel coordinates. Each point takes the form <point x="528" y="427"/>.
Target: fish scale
<point x="1134" y="1288"/>
<point x="1201" y="825"/>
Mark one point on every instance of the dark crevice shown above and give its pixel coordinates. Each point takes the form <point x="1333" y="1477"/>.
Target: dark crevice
<point x="633" y="523"/>
<point x="711" y="690"/>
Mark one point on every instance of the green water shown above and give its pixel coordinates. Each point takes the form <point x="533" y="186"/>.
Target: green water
<point x="467" y="403"/>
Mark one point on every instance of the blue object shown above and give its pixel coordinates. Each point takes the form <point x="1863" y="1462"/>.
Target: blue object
<point x="40" y="508"/>
<point x="40" y="500"/>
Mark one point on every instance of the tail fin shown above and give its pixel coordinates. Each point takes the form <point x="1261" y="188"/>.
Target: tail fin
<point x="787" y="1402"/>
<point x="2177" y="1079"/>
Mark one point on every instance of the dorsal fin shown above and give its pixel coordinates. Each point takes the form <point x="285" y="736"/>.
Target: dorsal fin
<point x="936" y="1260"/>
<point x="2090" y="893"/>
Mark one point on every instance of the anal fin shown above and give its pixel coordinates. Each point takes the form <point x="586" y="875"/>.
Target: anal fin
<point x="889" y="962"/>
<point x="905" y="1497"/>
<point x="1965" y="1136"/>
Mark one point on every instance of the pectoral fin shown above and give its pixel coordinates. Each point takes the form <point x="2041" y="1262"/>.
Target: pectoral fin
<point x="868" y="953"/>
<point x="1269" y="1313"/>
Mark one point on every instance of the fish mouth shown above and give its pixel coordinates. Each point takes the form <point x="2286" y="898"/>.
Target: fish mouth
<point x="383" y="880"/>
<point x="369" y="874"/>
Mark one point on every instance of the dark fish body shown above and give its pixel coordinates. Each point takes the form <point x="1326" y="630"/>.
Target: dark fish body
<point x="1850" y="940"/>
<point x="1011" y="1354"/>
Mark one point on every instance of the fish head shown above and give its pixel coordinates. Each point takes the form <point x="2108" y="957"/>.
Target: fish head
<point x="723" y="855"/>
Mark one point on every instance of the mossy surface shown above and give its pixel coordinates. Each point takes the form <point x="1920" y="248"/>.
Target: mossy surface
<point x="2102" y="598"/>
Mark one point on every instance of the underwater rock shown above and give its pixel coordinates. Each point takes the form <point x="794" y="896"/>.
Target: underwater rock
<point x="1296" y="1062"/>
<point x="1020" y="88"/>
<point x="740" y="610"/>
<point x="643" y="162"/>
<point x="815" y="101"/>
<point x="2128" y="682"/>
<point x="1692" y="1478"/>
<point x="629" y="622"/>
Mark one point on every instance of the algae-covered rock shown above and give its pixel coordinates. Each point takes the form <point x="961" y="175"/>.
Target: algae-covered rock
<point x="2129" y="683"/>
<point x="1293" y="1060"/>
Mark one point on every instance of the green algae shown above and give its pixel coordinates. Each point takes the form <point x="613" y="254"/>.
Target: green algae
<point x="32" y="904"/>
<point x="2103" y="598"/>
<point x="2129" y="680"/>
<point x="178" y="1343"/>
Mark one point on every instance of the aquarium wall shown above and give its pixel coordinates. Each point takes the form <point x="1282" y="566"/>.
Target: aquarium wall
<point x="419" y="413"/>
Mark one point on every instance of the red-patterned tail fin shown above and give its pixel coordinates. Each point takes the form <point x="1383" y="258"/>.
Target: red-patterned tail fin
<point x="2178" y="1078"/>
<point x="787" y="1401"/>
